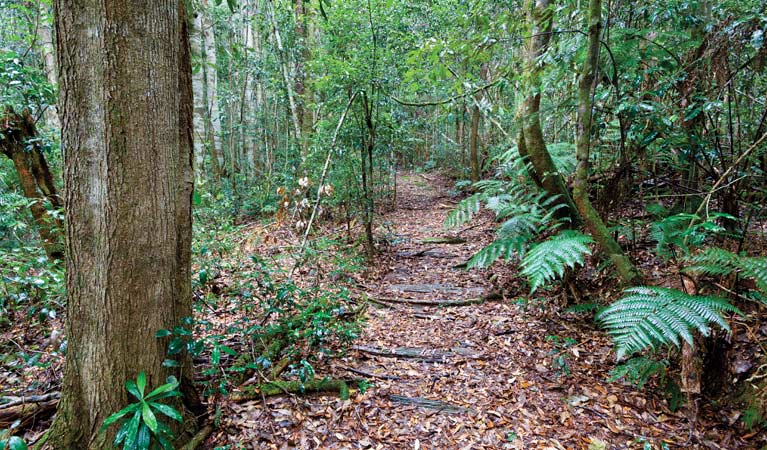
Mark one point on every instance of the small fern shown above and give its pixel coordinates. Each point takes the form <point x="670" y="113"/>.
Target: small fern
<point x="464" y="212"/>
<point x="639" y="370"/>
<point x="548" y="260"/>
<point x="720" y="262"/>
<point x="650" y="317"/>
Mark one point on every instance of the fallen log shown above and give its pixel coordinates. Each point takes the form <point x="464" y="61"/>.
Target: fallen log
<point x="7" y="402"/>
<point x="437" y="405"/>
<point x="422" y="302"/>
<point x="444" y="240"/>
<point x="198" y="438"/>
<point x="427" y="355"/>
<point x="371" y="375"/>
<point x="291" y="387"/>
<point x="27" y="413"/>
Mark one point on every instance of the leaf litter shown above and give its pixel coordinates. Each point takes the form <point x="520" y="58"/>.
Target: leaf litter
<point x="508" y="373"/>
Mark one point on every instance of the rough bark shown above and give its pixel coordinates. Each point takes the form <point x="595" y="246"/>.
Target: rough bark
<point x="626" y="269"/>
<point x="126" y="106"/>
<point x="18" y="141"/>
<point x="540" y="19"/>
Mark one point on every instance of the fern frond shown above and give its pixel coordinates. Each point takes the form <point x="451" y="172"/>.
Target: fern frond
<point x="501" y="248"/>
<point x="720" y="262"/>
<point x="650" y="317"/>
<point x="464" y="211"/>
<point x="548" y="260"/>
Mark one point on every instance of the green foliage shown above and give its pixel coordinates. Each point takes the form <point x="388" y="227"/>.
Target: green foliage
<point x="716" y="261"/>
<point x="548" y="260"/>
<point x="142" y="425"/>
<point x="639" y="370"/>
<point x="464" y="211"/>
<point x="650" y="317"/>
<point x="10" y="442"/>
<point x="675" y="233"/>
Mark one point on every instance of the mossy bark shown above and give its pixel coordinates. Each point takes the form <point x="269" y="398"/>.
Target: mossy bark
<point x="626" y="269"/>
<point x="532" y="143"/>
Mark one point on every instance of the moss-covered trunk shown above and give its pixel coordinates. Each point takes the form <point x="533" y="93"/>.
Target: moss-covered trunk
<point x="19" y="142"/>
<point x="628" y="273"/>
<point x="533" y="145"/>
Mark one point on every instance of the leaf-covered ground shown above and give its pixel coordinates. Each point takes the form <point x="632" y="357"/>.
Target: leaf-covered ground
<point x="509" y="372"/>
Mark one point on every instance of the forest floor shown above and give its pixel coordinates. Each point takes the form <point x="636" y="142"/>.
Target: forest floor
<point x="504" y="371"/>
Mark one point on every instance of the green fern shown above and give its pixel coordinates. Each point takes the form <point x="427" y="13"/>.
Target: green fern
<point x="464" y="212"/>
<point x="501" y="248"/>
<point x="548" y="260"/>
<point x="639" y="370"/>
<point x="720" y="262"/>
<point x="650" y="317"/>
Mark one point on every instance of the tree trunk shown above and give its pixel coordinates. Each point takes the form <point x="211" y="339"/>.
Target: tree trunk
<point x="210" y="92"/>
<point x="49" y="60"/>
<point x="18" y="141"/>
<point x="540" y="18"/>
<point x="628" y="273"/>
<point x="473" y="143"/>
<point x="286" y="75"/>
<point x="125" y="76"/>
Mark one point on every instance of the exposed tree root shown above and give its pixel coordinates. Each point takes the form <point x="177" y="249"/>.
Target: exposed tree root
<point x="199" y="438"/>
<point x="422" y="302"/>
<point x="291" y="387"/>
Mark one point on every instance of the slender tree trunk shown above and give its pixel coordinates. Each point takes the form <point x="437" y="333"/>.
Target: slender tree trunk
<point x="49" y="59"/>
<point x="126" y="106"/>
<point x="474" y="143"/>
<point x="18" y="141"/>
<point x="286" y="75"/>
<point x="367" y="173"/>
<point x="540" y="18"/>
<point x="210" y="93"/>
<point x="628" y="273"/>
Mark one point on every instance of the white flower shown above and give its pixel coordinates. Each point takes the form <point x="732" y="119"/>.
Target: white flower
<point x="304" y="182"/>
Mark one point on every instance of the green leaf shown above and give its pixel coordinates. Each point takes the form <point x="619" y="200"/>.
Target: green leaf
<point x="132" y="432"/>
<point x="141" y="383"/>
<point x="149" y="418"/>
<point x="144" y="438"/>
<point x="167" y="410"/>
<point x="167" y="387"/>
<point x="118" y="415"/>
<point x="131" y="387"/>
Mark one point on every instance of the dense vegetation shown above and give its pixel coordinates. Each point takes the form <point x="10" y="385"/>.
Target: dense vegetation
<point x="621" y="147"/>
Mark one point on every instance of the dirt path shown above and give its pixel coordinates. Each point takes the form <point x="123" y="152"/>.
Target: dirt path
<point x="510" y="373"/>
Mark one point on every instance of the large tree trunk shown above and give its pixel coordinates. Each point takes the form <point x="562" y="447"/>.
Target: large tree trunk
<point x="19" y="142"/>
<point x="540" y="18"/>
<point x="126" y="106"/>
<point x="628" y="273"/>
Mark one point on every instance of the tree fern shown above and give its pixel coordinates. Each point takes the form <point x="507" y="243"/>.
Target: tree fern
<point x="502" y="248"/>
<point x="720" y="262"/>
<point x="650" y="317"/>
<point x="548" y="260"/>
